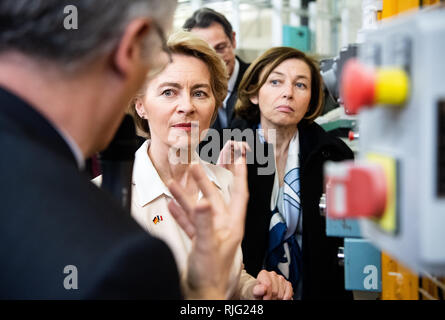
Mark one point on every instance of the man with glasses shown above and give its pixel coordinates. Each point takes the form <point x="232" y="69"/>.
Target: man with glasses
<point x="63" y="94"/>
<point x="214" y="28"/>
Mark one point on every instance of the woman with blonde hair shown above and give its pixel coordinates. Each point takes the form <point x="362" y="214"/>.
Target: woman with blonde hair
<point x="280" y="95"/>
<point x="173" y="110"/>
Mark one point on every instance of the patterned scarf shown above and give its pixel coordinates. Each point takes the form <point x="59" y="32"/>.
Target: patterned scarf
<point x="284" y="254"/>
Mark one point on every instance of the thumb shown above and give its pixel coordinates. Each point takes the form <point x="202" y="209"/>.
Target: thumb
<point x="259" y="291"/>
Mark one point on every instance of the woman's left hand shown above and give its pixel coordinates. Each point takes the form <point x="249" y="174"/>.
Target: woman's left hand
<point x="272" y="286"/>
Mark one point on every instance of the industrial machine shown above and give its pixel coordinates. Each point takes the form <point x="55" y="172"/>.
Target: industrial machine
<point x="396" y="186"/>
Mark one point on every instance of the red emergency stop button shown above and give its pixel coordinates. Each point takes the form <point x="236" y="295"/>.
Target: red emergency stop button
<point x="365" y="86"/>
<point x="357" y="86"/>
<point x="355" y="190"/>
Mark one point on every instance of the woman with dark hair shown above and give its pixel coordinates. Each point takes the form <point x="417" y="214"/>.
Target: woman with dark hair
<point x="280" y="95"/>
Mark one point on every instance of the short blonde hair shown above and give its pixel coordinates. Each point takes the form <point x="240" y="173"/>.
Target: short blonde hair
<point x="186" y="43"/>
<point x="254" y="78"/>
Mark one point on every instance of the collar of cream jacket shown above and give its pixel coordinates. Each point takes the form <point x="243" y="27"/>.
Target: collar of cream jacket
<point x="147" y="182"/>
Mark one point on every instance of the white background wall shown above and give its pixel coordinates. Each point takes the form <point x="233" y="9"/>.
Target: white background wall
<point x="334" y="23"/>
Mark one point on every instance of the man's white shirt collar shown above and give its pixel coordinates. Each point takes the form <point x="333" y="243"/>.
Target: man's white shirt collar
<point x="148" y="183"/>
<point x="74" y="147"/>
<point x="232" y="81"/>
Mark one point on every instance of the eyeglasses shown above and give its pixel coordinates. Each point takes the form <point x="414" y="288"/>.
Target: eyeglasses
<point x="161" y="35"/>
<point x="223" y="47"/>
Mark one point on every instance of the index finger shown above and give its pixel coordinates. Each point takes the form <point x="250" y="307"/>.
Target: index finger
<point x="240" y="194"/>
<point x="243" y="145"/>
<point x="207" y="187"/>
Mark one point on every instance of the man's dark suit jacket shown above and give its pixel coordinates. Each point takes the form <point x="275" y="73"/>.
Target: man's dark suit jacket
<point x="52" y="216"/>
<point x="233" y="96"/>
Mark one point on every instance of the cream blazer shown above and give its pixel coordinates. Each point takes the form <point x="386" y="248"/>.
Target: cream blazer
<point x="150" y="197"/>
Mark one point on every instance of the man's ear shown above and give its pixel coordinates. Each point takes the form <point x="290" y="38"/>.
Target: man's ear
<point x="128" y="55"/>
<point x="233" y="39"/>
<point x="254" y="99"/>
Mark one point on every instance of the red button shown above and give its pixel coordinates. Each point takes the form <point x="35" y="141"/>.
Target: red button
<point x="358" y="83"/>
<point x="351" y="135"/>
<point x="359" y="190"/>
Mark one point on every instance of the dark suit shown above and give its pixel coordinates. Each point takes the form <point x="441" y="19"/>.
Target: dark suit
<point x="323" y="278"/>
<point x="230" y="105"/>
<point x="52" y="216"/>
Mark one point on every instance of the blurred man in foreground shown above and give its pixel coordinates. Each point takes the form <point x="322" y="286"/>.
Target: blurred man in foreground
<point x="63" y="94"/>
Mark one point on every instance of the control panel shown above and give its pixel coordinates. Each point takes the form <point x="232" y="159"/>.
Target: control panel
<point x="396" y="186"/>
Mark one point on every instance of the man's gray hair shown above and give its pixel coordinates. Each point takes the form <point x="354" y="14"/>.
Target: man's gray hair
<point x="36" y="27"/>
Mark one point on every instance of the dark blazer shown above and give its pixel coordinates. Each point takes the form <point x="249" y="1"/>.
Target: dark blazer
<point x="323" y="278"/>
<point x="52" y="216"/>
<point x="233" y="97"/>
